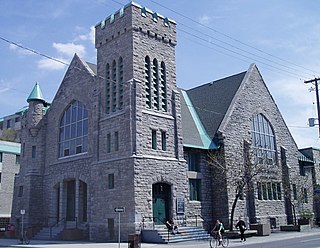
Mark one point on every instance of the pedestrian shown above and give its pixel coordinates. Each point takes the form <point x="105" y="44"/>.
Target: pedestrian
<point x="242" y="227"/>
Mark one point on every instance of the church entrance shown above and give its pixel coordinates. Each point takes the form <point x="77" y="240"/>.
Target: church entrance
<point x="161" y="202"/>
<point x="71" y="201"/>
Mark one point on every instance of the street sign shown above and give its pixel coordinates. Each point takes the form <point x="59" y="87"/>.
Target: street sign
<point x="119" y="210"/>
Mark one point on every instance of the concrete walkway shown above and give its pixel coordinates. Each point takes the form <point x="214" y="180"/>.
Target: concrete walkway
<point x="199" y="244"/>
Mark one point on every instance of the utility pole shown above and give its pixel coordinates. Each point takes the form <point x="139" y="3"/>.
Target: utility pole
<point x="315" y="81"/>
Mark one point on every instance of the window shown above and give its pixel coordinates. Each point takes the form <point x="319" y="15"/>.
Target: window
<point x="108" y="88"/>
<point x="259" y="191"/>
<point x="20" y="192"/>
<point x="17" y="119"/>
<point x="195" y="189"/>
<point x="0" y="177"/>
<point x="294" y="191"/>
<point x="147" y="72"/>
<point x="8" y="123"/>
<point x="108" y="143"/>
<point x="163" y="86"/>
<point x="23" y="149"/>
<point x="114" y="86"/>
<point x="155" y="86"/>
<point x="17" y="159"/>
<point x="1" y="157"/>
<point x="305" y="195"/>
<point x="120" y="78"/>
<point x="154" y="139"/>
<point x="116" y="141"/>
<point x="193" y="161"/>
<point x="33" y="151"/>
<point x="73" y="136"/>
<point x="279" y="191"/>
<point x="111" y="181"/>
<point x="269" y="191"/>
<point x="164" y="141"/>
<point x="263" y="140"/>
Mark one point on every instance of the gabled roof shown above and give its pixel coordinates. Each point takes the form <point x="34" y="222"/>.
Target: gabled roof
<point x="93" y="67"/>
<point x="36" y="94"/>
<point x="193" y="132"/>
<point x="212" y="100"/>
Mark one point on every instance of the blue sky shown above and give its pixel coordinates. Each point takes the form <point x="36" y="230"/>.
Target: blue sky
<point x="215" y="39"/>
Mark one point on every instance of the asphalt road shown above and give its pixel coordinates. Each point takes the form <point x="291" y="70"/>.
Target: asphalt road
<point x="310" y="239"/>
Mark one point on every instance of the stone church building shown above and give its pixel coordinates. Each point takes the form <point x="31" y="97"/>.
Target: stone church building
<point x="120" y="134"/>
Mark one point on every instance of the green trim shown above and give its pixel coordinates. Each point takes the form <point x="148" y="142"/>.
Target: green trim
<point x="10" y="147"/>
<point x="206" y="140"/>
<point x="36" y="94"/>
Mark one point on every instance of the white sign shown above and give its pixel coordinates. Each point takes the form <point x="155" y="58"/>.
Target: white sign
<point x="119" y="210"/>
<point x="22" y="211"/>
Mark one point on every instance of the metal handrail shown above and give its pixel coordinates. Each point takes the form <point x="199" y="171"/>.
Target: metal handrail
<point x="57" y="224"/>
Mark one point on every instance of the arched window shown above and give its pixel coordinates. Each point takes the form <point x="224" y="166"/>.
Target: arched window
<point x="155" y="88"/>
<point x="108" y="88"/>
<point x="73" y="135"/>
<point x="120" y="77"/>
<point x="114" y="86"/>
<point x="147" y="75"/>
<point x="263" y="140"/>
<point x="163" y="87"/>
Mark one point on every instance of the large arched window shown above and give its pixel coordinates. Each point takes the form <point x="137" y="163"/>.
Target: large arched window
<point x="73" y="138"/>
<point x="263" y="140"/>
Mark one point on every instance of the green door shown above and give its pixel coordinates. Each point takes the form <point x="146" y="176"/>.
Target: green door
<point x="161" y="197"/>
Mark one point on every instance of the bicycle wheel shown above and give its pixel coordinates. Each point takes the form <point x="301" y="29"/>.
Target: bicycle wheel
<point x="213" y="242"/>
<point x="225" y="241"/>
<point x="26" y="240"/>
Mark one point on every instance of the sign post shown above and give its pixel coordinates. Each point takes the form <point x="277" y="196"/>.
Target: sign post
<point x="119" y="210"/>
<point x="22" y="212"/>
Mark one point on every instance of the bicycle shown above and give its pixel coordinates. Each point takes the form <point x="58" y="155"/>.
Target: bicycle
<point x="214" y="240"/>
<point x="23" y="238"/>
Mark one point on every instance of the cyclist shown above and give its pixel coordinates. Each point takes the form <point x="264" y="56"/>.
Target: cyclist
<point x="219" y="229"/>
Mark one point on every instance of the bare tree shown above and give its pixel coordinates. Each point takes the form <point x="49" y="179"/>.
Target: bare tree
<point x="240" y="176"/>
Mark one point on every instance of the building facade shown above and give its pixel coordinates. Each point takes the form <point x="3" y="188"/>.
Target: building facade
<point x="9" y="167"/>
<point x="121" y="135"/>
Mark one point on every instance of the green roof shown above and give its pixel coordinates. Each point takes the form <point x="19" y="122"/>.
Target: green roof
<point x="10" y="147"/>
<point x="36" y="94"/>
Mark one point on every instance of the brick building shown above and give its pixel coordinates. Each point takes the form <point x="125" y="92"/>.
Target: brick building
<point x="121" y="134"/>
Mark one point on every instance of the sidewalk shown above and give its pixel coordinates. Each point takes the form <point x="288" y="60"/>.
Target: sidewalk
<point x="199" y="244"/>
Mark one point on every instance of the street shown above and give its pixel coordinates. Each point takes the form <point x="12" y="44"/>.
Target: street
<point x="278" y="239"/>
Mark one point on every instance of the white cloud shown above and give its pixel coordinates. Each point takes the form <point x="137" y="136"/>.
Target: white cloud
<point x="205" y="20"/>
<point x="69" y="49"/>
<point x="4" y="90"/>
<point x="51" y="65"/>
<point x="88" y="36"/>
<point x="294" y="91"/>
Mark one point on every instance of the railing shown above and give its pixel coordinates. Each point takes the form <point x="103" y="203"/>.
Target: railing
<point x="63" y="220"/>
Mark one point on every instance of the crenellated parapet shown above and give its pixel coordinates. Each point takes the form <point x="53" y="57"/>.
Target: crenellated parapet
<point x="134" y="17"/>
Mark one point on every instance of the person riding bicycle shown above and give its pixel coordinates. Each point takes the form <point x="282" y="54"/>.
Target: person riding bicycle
<point x="219" y="229"/>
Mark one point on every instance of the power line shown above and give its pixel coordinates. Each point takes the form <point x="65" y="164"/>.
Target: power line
<point x="239" y="51"/>
<point x="227" y="36"/>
